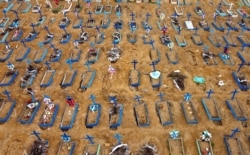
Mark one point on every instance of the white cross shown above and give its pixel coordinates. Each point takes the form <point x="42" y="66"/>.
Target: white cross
<point x="231" y="4"/>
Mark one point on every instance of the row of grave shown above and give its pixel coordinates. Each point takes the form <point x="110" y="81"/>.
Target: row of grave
<point x="115" y="52"/>
<point x="113" y="56"/>
<point x="55" y="6"/>
<point x="175" y="143"/>
<point x="133" y="26"/>
<point x="203" y="144"/>
<point x="88" y="77"/>
<point x="94" y="110"/>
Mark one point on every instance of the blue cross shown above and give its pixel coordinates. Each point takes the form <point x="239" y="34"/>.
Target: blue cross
<point x="87" y="64"/>
<point x="46" y="28"/>
<point x="179" y="30"/>
<point x="161" y="96"/>
<point x="47" y="65"/>
<point x="147" y="16"/>
<point x="98" y="29"/>
<point x="7" y="93"/>
<point x="228" y="30"/>
<point x="40" y="13"/>
<point x="189" y="15"/>
<point x="116" y="26"/>
<point x="35" y="133"/>
<point x="90" y="14"/>
<point x="33" y="27"/>
<point x="90" y="139"/>
<point x="113" y="99"/>
<point x="153" y="64"/>
<point x="92" y="98"/>
<point x="132" y="15"/>
<point x="243" y="47"/>
<point x="152" y="43"/>
<point x="23" y="42"/>
<point x="65" y="137"/>
<point x="16" y="13"/>
<point x="209" y="93"/>
<point x="64" y="30"/>
<point x="134" y="62"/>
<point x="52" y="46"/>
<point x="234" y="93"/>
<point x="241" y="65"/>
<point x="4" y="12"/>
<point x="196" y="30"/>
<point x="118" y="137"/>
<point x="138" y="99"/>
<point x="187" y="97"/>
<point x="234" y="131"/>
<point x="69" y="62"/>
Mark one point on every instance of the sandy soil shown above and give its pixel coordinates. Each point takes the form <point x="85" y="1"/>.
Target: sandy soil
<point x="16" y="138"/>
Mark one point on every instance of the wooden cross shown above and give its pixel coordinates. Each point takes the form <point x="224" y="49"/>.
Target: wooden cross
<point x="234" y="93"/>
<point x="161" y="95"/>
<point x="138" y="99"/>
<point x="92" y="98"/>
<point x="7" y="93"/>
<point x="209" y="93"/>
<point x="90" y="139"/>
<point x="134" y="62"/>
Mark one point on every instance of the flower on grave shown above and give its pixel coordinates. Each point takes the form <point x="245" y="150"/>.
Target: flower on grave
<point x="206" y="136"/>
<point x="46" y="99"/>
<point x="111" y="69"/>
<point x="221" y="83"/>
<point x="174" y="134"/>
<point x="10" y="66"/>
